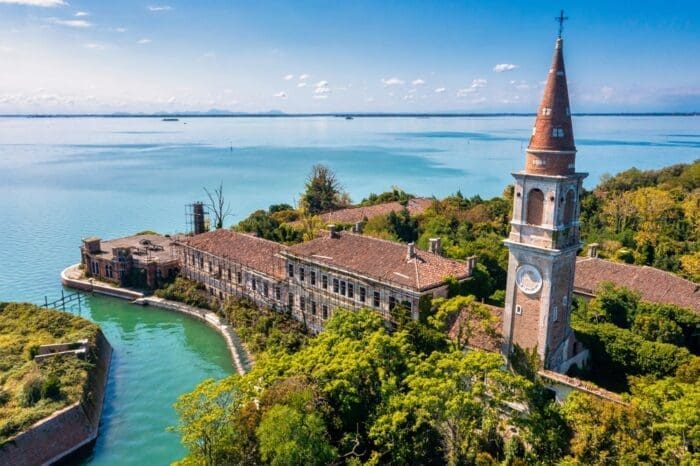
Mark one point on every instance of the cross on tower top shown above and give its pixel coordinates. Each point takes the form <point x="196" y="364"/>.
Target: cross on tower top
<point x="560" y="19"/>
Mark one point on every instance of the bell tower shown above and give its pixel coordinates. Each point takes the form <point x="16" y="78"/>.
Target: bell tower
<point x="544" y="236"/>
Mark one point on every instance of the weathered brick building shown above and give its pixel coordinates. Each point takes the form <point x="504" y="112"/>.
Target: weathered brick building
<point x="311" y="279"/>
<point x="352" y="271"/>
<point x="544" y="237"/>
<point x="234" y="264"/>
<point x="140" y="261"/>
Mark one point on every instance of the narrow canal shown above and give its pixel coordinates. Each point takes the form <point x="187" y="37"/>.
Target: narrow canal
<point x="158" y="355"/>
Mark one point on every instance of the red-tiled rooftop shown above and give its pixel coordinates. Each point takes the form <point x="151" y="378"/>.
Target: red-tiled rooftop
<point x="257" y="253"/>
<point x="415" y="206"/>
<point x="380" y="259"/>
<point x="653" y="284"/>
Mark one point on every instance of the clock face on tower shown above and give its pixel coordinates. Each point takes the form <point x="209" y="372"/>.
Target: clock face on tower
<point x="528" y="278"/>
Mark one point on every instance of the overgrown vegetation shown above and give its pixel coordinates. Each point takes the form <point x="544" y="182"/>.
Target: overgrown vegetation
<point x="30" y="391"/>
<point x="647" y="218"/>
<point x="263" y="329"/>
<point x="360" y="394"/>
<point x="188" y="292"/>
<point x="629" y="337"/>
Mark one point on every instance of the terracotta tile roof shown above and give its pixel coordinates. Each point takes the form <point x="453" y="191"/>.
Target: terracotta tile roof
<point x="380" y="259"/>
<point x="480" y="339"/>
<point x="551" y="149"/>
<point x="653" y="284"/>
<point x="558" y="115"/>
<point x="253" y="252"/>
<point x="415" y="206"/>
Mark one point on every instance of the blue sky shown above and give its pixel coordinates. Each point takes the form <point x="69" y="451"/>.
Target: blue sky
<point x="72" y="56"/>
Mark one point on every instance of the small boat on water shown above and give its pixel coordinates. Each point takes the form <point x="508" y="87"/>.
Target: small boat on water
<point x="170" y="119"/>
<point x="348" y="117"/>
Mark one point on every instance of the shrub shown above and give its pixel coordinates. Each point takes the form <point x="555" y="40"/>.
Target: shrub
<point x="4" y="396"/>
<point x="31" y="391"/>
<point x="188" y="292"/>
<point x="51" y="387"/>
<point x="619" y="353"/>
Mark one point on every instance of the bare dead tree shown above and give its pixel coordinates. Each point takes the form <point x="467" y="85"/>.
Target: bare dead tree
<point x="218" y="206"/>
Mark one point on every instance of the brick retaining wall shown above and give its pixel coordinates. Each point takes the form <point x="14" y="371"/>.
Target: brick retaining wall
<point x="67" y="431"/>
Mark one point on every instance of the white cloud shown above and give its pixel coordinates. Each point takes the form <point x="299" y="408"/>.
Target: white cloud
<point x="301" y="84"/>
<point x="320" y="97"/>
<point x="160" y="8"/>
<point x="289" y="77"/>
<point x="82" y="13"/>
<point x="171" y="100"/>
<point x="392" y="81"/>
<point x="501" y="67"/>
<point x="474" y="87"/>
<point x="71" y="23"/>
<point x="369" y="99"/>
<point x="322" y="89"/>
<point x="42" y="3"/>
<point x="94" y="46"/>
<point x="440" y="90"/>
<point x="303" y="77"/>
<point x="418" y="82"/>
<point x="281" y="95"/>
<point x="120" y="29"/>
<point x="143" y="41"/>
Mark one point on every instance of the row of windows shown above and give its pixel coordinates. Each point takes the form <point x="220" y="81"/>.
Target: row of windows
<point x="343" y="287"/>
<point x="312" y="306"/>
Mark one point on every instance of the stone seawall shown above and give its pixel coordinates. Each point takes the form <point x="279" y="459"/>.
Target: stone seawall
<point x="242" y="360"/>
<point x="66" y="432"/>
<point x="239" y="355"/>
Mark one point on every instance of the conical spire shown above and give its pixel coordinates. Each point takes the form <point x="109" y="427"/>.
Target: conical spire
<point x="551" y="150"/>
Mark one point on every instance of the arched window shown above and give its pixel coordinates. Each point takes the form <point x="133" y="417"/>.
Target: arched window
<point x="535" y="207"/>
<point x="569" y="208"/>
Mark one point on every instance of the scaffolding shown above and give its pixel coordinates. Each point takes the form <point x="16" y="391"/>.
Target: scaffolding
<point x="196" y="218"/>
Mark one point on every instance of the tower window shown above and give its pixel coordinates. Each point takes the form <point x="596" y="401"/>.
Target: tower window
<point x="555" y="314"/>
<point x="558" y="132"/>
<point x="535" y="207"/>
<point x="534" y="130"/>
<point x="518" y="309"/>
<point x="546" y="111"/>
<point x="569" y="208"/>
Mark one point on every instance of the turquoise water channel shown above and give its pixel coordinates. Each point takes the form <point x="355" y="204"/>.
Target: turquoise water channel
<point x="62" y="179"/>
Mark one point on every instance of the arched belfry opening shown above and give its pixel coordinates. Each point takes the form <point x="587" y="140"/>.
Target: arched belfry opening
<point x="569" y="208"/>
<point x="535" y="207"/>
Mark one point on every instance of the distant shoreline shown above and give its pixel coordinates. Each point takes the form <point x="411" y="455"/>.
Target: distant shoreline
<point x="336" y="115"/>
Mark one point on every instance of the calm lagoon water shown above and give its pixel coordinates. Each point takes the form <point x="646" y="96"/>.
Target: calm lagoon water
<point x="63" y="179"/>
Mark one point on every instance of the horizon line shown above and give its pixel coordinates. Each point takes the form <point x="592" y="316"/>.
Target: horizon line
<point x="279" y="114"/>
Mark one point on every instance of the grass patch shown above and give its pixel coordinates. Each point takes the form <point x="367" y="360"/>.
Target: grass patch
<point x="30" y="391"/>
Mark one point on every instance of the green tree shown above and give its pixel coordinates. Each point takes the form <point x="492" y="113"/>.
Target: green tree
<point x="459" y="396"/>
<point x="293" y="431"/>
<point x="323" y="191"/>
<point x="209" y="423"/>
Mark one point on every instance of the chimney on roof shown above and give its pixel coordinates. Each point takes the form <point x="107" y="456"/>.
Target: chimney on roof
<point x="357" y="227"/>
<point x="471" y="264"/>
<point x="593" y="250"/>
<point x="332" y="233"/>
<point x="435" y="246"/>
<point x="411" y="251"/>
